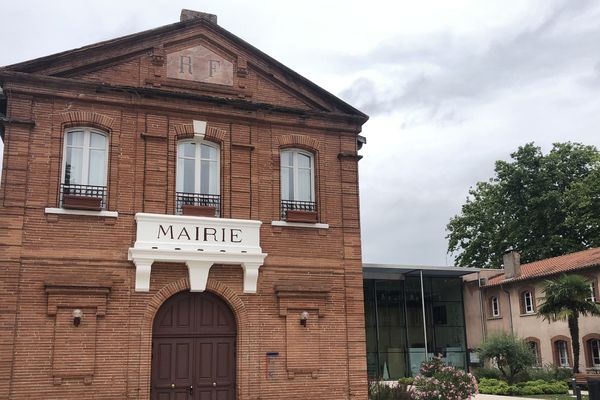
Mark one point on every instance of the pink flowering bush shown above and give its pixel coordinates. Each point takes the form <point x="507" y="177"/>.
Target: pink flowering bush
<point x="438" y="381"/>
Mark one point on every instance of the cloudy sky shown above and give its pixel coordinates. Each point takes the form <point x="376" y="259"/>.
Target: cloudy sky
<point x="451" y="86"/>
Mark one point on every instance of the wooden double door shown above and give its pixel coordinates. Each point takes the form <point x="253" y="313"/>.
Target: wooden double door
<point x="193" y="349"/>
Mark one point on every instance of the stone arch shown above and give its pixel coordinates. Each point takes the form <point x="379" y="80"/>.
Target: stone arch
<point x="87" y="118"/>
<point x="237" y="307"/>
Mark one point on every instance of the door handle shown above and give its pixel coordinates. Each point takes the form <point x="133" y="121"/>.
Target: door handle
<point x="172" y="386"/>
<point x="214" y="384"/>
<point x="191" y="390"/>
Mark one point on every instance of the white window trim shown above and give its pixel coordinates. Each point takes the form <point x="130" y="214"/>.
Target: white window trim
<point x="295" y="169"/>
<point x="86" y="153"/>
<point x="495" y="306"/>
<point x="559" y="350"/>
<point x="592" y="297"/>
<point x="529" y="308"/>
<point x="198" y="163"/>
<point x="67" y="211"/>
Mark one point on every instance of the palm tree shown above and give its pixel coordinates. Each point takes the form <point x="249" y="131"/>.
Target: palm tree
<point x="567" y="298"/>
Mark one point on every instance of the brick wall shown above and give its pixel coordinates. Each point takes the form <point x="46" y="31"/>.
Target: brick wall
<point x="50" y="264"/>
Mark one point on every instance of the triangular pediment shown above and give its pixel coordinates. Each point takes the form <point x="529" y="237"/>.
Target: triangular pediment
<point x="194" y="56"/>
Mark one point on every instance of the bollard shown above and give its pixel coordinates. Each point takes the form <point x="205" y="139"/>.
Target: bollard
<point x="576" y="391"/>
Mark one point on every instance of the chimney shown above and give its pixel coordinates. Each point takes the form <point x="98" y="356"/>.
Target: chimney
<point x="512" y="263"/>
<point x="187" y="15"/>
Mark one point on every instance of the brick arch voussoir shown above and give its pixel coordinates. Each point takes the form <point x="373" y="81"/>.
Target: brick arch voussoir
<point x="300" y="141"/>
<point x="213" y="134"/>
<point x="87" y="118"/>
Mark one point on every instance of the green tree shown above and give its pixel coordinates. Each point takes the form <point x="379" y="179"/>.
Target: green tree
<point x="567" y="298"/>
<point x="510" y="353"/>
<point x="545" y="205"/>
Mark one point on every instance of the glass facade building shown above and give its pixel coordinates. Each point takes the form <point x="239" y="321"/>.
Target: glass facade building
<point x="411" y="315"/>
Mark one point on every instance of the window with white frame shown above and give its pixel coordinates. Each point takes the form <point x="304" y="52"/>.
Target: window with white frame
<point x="528" y="302"/>
<point x="297" y="181"/>
<point x="562" y="353"/>
<point x="592" y="297"/>
<point x="84" y="167"/>
<point x="495" y="306"/>
<point x="594" y="349"/>
<point x="198" y="175"/>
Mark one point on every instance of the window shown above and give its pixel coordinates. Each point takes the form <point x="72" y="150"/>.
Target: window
<point x="494" y="306"/>
<point x="198" y="178"/>
<point x="535" y="348"/>
<point x="592" y="297"/>
<point x="84" y="169"/>
<point x="594" y="348"/>
<point x="527" y="300"/>
<point x="298" y="186"/>
<point x="562" y="353"/>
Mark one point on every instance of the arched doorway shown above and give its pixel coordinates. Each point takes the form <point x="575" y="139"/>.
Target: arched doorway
<point x="193" y="349"/>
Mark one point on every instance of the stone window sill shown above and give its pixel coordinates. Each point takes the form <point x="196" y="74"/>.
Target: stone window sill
<point x="533" y="314"/>
<point x="300" y="225"/>
<point x="493" y="318"/>
<point x="64" y="211"/>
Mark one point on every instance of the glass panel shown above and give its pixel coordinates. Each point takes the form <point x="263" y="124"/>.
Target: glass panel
<point x="97" y="141"/>
<point x="73" y="165"/>
<point x="303" y="161"/>
<point x="208" y="177"/>
<point x="189" y="174"/>
<point x="287" y="183"/>
<point x="187" y="150"/>
<point x="392" y="334"/>
<point x="97" y="168"/>
<point x="304" y="185"/>
<point x="286" y="159"/>
<point x="446" y="289"/>
<point x="75" y="139"/>
<point x="371" y="328"/>
<point x="208" y="152"/>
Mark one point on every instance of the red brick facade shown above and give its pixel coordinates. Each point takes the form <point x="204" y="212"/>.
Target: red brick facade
<point x="53" y="263"/>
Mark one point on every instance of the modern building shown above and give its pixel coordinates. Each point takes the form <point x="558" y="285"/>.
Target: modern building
<point x="507" y="300"/>
<point x="180" y="220"/>
<point x="413" y="313"/>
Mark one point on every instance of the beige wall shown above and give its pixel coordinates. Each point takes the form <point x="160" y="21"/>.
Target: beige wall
<point x="523" y="325"/>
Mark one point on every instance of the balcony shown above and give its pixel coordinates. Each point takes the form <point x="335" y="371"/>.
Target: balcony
<point x="299" y="211"/>
<point x="83" y="197"/>
<point x="199" y="205"/>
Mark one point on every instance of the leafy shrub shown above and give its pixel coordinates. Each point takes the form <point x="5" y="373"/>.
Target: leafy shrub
<point x="480" y="373"/>
<point x="406" y="381"/>
<point x="511" y="354"/>
<point x="439" y="381"/>
<point x="550" y="372"/>
<point x="383" y="391"/>
<point x="499" y="387"/>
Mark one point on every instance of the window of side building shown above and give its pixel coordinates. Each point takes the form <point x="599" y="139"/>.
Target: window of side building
<point x="592" y="297"/>
<point x="298" y="186"/>
<point x="594" y="349"/>
<point x="84" y="169"/>
<point x="494" y="307"/>
<point x="534" y="345"/>
<point x="527" y="301"/>
<point x="198" y="186"/>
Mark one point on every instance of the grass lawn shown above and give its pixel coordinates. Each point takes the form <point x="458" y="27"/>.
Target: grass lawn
<point x="555" y="397"/>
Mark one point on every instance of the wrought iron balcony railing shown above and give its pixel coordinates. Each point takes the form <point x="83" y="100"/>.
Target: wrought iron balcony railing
<point x="296" y="205"/>
<point x="198" y="199"/>
<point x="82" y="196"/>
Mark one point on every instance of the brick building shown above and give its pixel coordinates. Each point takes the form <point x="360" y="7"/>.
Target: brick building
<point x="180" y="220"/>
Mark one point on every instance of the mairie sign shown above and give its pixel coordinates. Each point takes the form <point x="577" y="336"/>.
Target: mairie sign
<point x="199" y="242"/>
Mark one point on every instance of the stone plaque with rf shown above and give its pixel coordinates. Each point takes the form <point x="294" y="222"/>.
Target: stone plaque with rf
<point x="200" y="64"/>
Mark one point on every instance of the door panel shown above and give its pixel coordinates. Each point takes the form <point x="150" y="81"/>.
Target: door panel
<point x="193" y="344"/>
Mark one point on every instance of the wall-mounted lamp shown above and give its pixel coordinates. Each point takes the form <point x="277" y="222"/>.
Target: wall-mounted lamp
<point x="304" y="318"/>
<point x="77" y="315"/>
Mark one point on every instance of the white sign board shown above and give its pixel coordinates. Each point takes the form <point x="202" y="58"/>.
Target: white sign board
<point x="199" y="242"/>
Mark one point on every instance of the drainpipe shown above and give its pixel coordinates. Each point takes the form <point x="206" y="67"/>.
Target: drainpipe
<point x="512" y="331"/>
